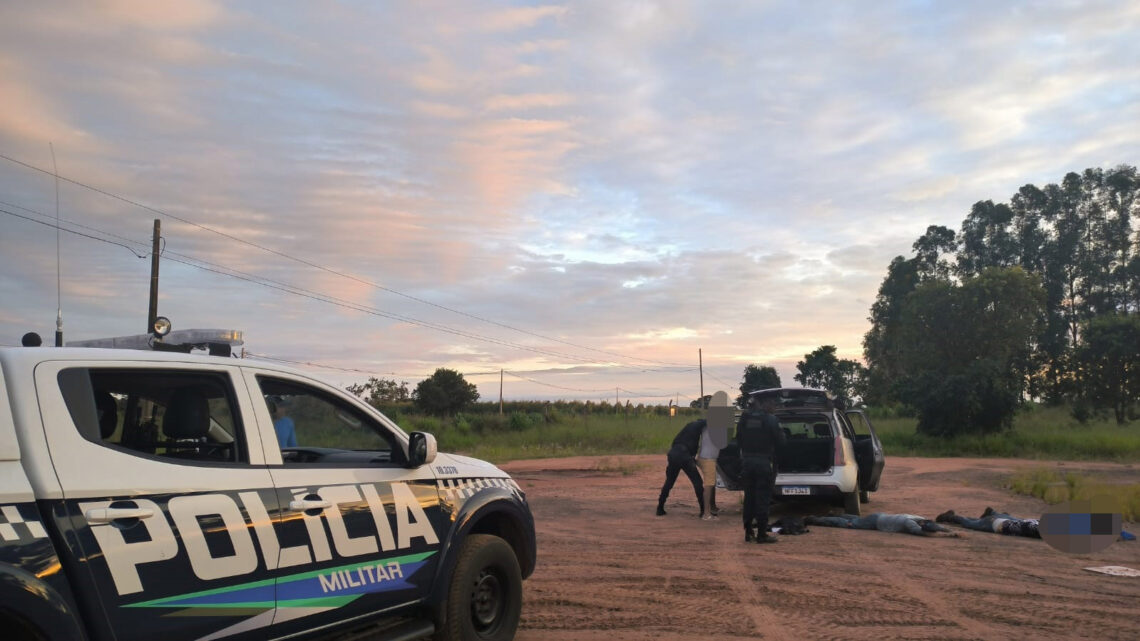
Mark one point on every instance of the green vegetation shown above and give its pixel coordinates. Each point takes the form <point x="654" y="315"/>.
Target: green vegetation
<point x="444" y="393"/>
<point x="1037" y="433"/>
<point x="1054" y="487"/>
<point x="1034" y="298"/>
<point x="530" y="435"/>
<point x="756" y="377"/>
<point x="538" y="429"/>
<point x="822" y="369"/>
<point x="544" y="430"/>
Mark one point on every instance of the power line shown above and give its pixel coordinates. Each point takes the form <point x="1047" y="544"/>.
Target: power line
<point x="263" y="357"/>
<point x="719" y="379"/>
<point x="72" y="231"/>
<point x="646" y="395"/>
<point x="296" y="291"/>
<point x="73" y="223"/>
<point x="340" y="302"/>
<point x="354" y="370"/>
<point x="299" y="291"/>
<point x="329" y="269"/>
<point x="562" y="387"/>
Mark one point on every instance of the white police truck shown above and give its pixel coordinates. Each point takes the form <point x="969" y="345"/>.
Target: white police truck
<point x="164" y="495"/>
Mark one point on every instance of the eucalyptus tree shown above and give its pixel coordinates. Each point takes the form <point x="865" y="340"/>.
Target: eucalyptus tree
<point x="1108" y="364"/>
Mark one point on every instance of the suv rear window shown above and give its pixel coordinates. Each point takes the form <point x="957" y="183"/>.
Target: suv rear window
<point x="802" y="426"/>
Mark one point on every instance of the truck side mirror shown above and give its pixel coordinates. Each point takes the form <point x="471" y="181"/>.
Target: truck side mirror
<point x="421" y="449"/>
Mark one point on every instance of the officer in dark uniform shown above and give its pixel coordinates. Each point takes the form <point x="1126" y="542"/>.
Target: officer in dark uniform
<point x="681" y="457"/>
<point x="759" y="435"/>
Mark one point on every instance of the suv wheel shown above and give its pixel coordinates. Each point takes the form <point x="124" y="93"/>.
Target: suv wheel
<point x="864" y="497"/>
<point x="851" y="503"/>
<point x="485" y="597"/>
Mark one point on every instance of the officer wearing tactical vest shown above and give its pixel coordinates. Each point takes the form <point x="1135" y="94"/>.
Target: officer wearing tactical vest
<point x="759" y="435"/>
<point x="682" y="457"/>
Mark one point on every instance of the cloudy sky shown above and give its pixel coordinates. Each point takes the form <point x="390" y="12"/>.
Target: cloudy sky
<point x="583" y="195"/>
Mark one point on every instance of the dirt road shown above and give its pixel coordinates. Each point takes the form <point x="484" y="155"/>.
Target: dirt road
<point x="609" y="569"/>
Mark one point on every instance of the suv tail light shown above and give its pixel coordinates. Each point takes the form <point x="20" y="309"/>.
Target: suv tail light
<point x="840" y="459"/>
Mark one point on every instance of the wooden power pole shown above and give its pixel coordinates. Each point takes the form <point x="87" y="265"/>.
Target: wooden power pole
<point x="701" y="366"/>
<point x="153" y="314"/>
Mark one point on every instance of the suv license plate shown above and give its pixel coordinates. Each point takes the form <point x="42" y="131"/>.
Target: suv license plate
<point x="797" y="490"/>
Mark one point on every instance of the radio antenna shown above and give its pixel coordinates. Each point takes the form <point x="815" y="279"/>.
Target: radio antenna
<point x="58" y="278"/>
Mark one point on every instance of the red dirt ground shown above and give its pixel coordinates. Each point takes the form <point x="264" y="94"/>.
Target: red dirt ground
<point x="609" y="569"/>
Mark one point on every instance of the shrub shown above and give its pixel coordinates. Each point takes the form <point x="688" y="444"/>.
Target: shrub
<point x="519" y="421"/>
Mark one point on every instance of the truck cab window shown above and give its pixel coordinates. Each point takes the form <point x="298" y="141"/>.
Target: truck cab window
<point x="188" y="416"/>
<point x="312" y="426"/>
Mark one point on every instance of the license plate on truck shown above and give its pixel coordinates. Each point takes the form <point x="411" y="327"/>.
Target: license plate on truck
<point x="796" y="490"/>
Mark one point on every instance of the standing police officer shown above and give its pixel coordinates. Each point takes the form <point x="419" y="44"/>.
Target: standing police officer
<point x="759" y="435"/>
<point x="681" y="457"/>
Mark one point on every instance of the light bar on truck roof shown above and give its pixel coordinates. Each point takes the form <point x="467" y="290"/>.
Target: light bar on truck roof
<point x="231" y="337"/>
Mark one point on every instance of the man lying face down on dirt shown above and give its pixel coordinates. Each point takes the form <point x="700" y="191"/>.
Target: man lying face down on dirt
<point x="908" y="523"/>
<point x="992" y="521"/>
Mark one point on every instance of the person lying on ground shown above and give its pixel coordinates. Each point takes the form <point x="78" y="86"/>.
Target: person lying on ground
<point x="908" y="523"/>
<point x="991" y="521"/>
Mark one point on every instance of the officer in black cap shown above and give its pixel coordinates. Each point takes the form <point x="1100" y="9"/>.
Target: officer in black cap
<point x="682" y="457"/>
<point x="759" y="435"/>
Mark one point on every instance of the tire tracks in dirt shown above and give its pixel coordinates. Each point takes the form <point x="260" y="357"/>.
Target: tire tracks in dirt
<point x="608" y="570"/>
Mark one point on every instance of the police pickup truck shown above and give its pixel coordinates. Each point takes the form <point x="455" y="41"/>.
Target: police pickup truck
<point x="155" y="495"/>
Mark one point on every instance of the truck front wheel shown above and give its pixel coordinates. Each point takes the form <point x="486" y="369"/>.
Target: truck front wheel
<point x="485" y="598"/>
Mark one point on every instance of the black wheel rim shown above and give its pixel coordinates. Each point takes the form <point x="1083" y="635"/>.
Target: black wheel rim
<point x="487" y="601"/>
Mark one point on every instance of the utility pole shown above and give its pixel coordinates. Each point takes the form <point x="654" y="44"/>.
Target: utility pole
<point x="58" y="277"/>
<point x="153" y="314"/>
<point x="500" y="392"/>
<point x="701" y="365"/>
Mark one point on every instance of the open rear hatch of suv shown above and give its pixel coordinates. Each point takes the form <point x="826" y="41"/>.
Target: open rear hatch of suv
<point x="809" y="447"/>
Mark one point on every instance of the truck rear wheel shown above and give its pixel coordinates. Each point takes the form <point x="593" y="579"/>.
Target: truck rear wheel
<point x="484" y="600"/>
<point x="851" y="503"/>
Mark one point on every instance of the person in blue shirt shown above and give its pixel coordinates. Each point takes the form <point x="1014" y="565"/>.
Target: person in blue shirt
<point x="282" y="424"/>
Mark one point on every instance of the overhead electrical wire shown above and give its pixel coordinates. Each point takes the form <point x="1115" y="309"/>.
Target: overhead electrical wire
<point x="562" y="387"/>
<point x="192" y="262"/>
<point x="72" y="231"/>
<point x="719" y="379"/>
<point x="329" y="269"/>
<point x="397" y="317"/>
<point x="300" y="291"/>
<point x="353" y="370"/>
<point x="339" y="302"/>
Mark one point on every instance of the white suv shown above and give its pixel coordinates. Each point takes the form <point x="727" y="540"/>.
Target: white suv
<point x="830" y="453"/>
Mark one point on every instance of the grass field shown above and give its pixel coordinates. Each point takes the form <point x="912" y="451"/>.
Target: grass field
<point x="1039" y="433"/>
<point x="1054" y="487"/>
<point x="571" y="436"/>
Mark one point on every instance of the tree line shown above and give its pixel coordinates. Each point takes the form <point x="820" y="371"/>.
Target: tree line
<point x="447" y="393"/>
<point x="1036" y="299"/>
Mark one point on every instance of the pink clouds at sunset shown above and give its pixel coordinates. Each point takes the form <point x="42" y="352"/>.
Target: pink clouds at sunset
<point x="583" y="194"/>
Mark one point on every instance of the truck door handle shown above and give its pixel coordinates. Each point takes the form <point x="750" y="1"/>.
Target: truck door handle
<point x="109" y="514"/>
<point x="304" y="505"/>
